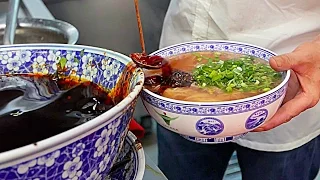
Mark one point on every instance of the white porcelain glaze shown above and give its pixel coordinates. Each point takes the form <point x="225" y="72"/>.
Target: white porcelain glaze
<point x="87" y="150"/>
<point x="215" y="122"/>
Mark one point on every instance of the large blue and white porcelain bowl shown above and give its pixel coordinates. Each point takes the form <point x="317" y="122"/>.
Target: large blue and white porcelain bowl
<point x="215" y="122"/>
<point x="89" y="150"/>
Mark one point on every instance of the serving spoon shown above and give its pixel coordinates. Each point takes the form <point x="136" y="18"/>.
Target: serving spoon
<point x="142" y="59"/>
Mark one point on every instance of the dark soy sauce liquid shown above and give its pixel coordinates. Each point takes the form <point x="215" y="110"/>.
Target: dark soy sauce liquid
<point x="33" y="108"/>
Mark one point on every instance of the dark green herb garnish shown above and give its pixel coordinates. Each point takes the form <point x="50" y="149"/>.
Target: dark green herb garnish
<point x="242" y="74"/>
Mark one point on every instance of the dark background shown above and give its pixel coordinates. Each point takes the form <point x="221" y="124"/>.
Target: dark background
<point x="111" y="24"/>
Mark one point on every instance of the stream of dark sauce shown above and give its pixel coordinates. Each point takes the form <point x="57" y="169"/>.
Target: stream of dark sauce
<point x="81" y="102"/>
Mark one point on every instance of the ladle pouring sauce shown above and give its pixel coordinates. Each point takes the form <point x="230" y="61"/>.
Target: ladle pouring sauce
<point x="168" y="77"/>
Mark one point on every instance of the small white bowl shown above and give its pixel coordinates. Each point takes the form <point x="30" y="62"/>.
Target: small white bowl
<point x="215" y="122"/>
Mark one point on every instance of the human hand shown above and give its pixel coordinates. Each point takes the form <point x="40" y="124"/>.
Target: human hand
<point x="304" y="85"/>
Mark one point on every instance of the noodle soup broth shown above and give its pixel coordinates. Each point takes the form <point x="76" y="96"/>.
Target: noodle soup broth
<point x="214" y="96"/>
<point x="216" y="76"/>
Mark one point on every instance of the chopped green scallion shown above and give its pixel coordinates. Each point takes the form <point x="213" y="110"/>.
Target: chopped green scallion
<point x="242" y="74"/>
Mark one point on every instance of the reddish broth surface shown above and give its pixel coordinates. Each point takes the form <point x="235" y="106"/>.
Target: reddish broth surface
<point x="187" y="63"/>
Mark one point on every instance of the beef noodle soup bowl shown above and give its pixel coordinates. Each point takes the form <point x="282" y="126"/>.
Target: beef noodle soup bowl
<point x="65" y="110"/>
<point x="216" y="91"/>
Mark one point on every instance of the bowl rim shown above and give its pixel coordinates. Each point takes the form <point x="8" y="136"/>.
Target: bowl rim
<point x="140" y="155"/>
<point x="30" y="151"/>
<point x="282" y="84"/>
<point x="57" y="25"/>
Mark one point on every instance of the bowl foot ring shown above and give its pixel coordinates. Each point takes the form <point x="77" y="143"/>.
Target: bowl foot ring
<point x="214" y="140"/>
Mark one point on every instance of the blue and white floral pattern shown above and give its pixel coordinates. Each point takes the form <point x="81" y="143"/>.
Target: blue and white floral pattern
<point x="23" y="168"/>
<point x="78" y="150"/>
<point x="221" y="109"/>
<point x="213" y="110"/>
<point x="94" y="176"/>
<point x="76" y="160"/>
<point x="209" y="126"/>
<point x="98" y="68"/>
<point x="215" y="46"/>
<point x="101" y="143"/>
<point x="217" y="110"/>
<point x="49" y="159"/>
<point x="256" y="118"/>
<point x="24" y="55"/>
<point x="88" y="157"/>
<point x="72" y="169"/>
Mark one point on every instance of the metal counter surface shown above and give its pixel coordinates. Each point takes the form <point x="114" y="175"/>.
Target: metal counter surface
<point x="33" y="9"/>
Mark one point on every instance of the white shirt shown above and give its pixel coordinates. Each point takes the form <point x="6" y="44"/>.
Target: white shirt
<point x="278" y="25"/>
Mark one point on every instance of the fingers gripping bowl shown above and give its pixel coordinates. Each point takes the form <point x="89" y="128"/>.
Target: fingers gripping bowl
<point x="73" y="140"/>
<point x="226" y="119"/>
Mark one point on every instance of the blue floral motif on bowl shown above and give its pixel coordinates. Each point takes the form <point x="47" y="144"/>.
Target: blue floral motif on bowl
<point x="207" y="109"/>
<point x="82" y="157"/>
<point x="96" y="67"/>
<point x="78" y="160"/>
<point x="212" y="110"/>
<point x="221" y="109"/>
<point x="256" y="118"/>
<point x="215" y="46"/>
<point x="209" y="126"/>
